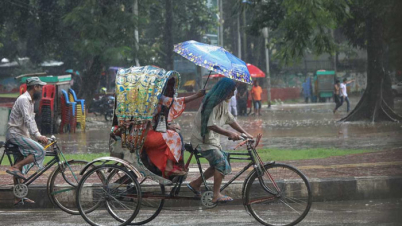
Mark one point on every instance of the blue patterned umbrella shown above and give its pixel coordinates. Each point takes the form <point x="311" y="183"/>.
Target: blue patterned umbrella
<point x="214" y="58"/>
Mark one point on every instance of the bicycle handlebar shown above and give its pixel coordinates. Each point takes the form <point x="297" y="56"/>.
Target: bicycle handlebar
<point x="51" y="139"/>
<point x="243" y="137"/>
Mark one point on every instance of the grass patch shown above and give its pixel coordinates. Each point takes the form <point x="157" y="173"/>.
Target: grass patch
<point x="84" y="157"/>
<point x="265" y="154"/>
<point x="13" y="95"/>
<point x="294" y="154"/>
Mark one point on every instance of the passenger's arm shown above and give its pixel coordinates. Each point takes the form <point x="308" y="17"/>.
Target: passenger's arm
<point x="190" y="98"/>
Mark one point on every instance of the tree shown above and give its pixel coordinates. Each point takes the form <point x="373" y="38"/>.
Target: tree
<point x="103" y="32"/>
<point x="381" y="30"/>
<point x="190" y="20"/>
<point x="307" y="25"/>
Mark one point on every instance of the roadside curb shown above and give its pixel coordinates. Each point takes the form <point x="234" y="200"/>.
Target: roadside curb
<point x="331" y="189"/>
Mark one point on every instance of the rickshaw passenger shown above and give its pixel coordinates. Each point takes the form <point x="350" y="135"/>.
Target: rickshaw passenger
<point x="211" y="116"/>
<point x="165" y="149"/>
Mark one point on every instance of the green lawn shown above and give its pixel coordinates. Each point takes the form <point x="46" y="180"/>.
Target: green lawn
<point x="290" y="154"/>
<point x="265" y="154"/>
<point x="15" y="95"/>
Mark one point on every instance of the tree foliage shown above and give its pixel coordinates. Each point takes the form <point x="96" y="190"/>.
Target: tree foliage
<point x="371" y="24"/>
<point x="304" y="25"/>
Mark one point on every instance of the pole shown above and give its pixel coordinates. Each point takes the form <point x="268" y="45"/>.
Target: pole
<point x="207" y="79"/>
<point x="238" y="37"/>
<point x="266" y="36"/>
<point x="244" y="36"/>
<point x="221" y="23"/>
<point x="135" y="9"/>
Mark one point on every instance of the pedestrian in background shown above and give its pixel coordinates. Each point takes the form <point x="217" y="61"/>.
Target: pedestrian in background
<point x="256" y="92"/>
<point x="344" y="93"/>
<point x="233" y="104"/>
<point x="306" y="91"/>
<point x="337" y="96"/>
<point x="242" y="98"/>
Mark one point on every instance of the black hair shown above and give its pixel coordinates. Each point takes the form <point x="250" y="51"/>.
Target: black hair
<point x="345" y="79"/>
<point x="29" y="88"/>
<point x="337" y="81"/>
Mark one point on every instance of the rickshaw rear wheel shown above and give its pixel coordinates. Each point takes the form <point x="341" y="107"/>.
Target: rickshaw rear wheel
<point x="117" y="189"/>
<point x="150" y="206"/>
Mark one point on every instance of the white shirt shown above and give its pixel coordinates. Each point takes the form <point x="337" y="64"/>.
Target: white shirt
<point x="22" y="118"/>
<point x="233" y="101"/>
<point x="343" y="90"/>
<point x="219" y="117"/>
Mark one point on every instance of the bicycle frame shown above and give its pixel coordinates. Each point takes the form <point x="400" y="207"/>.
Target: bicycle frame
<point x="255" y="160"/>
<point x="251" y="155"/>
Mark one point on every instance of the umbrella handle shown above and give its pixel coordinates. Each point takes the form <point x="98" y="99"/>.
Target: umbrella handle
<point x="207" y="79"/>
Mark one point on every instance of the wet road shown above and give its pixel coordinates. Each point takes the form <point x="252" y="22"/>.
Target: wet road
<point x="288" y="126"/>
<point x="366" y="212"/>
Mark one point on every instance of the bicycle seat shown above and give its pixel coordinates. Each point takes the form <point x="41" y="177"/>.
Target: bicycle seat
<point x="190" y="148"/>
<point x="11" y="148"/>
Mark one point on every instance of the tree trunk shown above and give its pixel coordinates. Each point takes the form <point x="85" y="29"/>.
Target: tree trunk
<point x="91" y="80"/>
<point x="168" y="35"/>
<point x="377" y="101"/>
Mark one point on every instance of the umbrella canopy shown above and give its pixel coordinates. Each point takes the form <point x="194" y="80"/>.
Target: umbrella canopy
<point x="214" y="58"/>
<point x="255" y="72"/>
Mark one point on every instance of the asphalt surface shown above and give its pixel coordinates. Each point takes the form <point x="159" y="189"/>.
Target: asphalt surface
<point x="364" y="212"/>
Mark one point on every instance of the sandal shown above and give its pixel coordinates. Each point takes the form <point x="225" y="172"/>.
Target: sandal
<point x="197" y="193"/>
<point x="23" y="201"/>
<point x="224" y="199"/>
<point x="16" y="173"/>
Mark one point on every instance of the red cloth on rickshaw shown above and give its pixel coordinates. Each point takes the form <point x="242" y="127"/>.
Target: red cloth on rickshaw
<point x="157" y="150"/>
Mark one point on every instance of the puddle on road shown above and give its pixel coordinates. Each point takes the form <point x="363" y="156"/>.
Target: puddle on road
<point x="298" y="126"/>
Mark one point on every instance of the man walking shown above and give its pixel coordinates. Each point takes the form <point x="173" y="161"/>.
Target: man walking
<point x="344" y="94"/>
<point x="337" y="96"/>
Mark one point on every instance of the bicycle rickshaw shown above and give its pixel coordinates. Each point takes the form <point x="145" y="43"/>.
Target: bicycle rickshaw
<point x="121" y="192"/>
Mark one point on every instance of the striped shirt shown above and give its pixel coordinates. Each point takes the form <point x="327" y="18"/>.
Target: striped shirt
<point x="22" y="118"/>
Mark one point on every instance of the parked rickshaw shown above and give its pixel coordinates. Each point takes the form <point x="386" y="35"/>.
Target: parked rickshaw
<point x="125" y="190"/>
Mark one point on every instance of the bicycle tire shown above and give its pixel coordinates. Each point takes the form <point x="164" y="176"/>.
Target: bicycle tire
<point x="108" y="116"/>
<point x="61" y="194"/>
<point x="150" y="208"/>
<point x="153" y="206"/>
<point x="92" y="187"/>
<point x="287" y="207"/>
